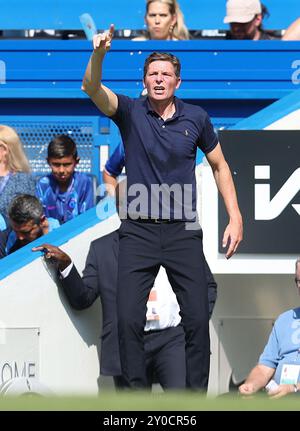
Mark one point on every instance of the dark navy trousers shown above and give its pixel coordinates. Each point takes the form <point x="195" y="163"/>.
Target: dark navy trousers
<point x="165" y="359"/>
<point x="144" y="246"/>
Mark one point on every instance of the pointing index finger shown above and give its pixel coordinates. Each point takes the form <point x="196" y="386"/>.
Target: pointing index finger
<point x="111" y="30"/>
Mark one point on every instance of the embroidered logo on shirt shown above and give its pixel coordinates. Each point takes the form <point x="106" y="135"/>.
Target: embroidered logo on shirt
<point x="186" y="132"/>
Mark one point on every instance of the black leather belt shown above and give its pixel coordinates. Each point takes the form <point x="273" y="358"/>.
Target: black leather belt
<point x="154" y="220"/>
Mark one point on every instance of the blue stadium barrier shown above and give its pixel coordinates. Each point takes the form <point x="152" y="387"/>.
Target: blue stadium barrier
<point x="230" y="79"/>
<point x="49" y="69"/>
<point x="271" y="114"/>
<point x="49" y="14"/>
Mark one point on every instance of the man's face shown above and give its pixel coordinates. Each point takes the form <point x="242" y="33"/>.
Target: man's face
<point x="161" y="81"/>
<point x="246" y="31"/>
<point x="27" y="232"/>
<point x="62" y="168"/>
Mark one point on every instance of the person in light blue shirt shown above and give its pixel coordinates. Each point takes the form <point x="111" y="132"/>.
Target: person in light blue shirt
<point x="64" y="193"/>
<point x="280" y="359"/>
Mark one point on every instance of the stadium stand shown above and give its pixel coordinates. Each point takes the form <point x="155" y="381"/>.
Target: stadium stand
<point x="42" y="78"/>
<point x="43" y="315"/>
<point x="230" y="79"/>
<point x="204" y="14"/>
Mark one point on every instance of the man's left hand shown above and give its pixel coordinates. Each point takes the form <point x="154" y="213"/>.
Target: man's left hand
<point x="233" y="235"/>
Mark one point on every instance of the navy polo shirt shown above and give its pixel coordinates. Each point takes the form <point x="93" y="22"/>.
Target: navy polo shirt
<point x="160" y="157"/>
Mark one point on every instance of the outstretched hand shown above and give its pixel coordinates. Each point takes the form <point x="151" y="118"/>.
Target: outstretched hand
<point x="102" y="41"/>
<point x="55" y="254"/>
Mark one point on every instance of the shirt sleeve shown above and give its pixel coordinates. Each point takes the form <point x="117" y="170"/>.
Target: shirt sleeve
<point x="116" y="162"/>
<point x="41" y="188"/>
<point x="38" y="191"/>
<point x="82" y="291"/>
<point x="122" y="115"/>
<point x="208" y="140"/>
<point x="270" y="355"/>
<point x="87" y="197"/>
<point x="66" y="271"/>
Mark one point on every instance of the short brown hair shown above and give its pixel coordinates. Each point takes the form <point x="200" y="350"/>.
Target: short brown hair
<point x="163" y="56"/>
<point x="62" y="146"/>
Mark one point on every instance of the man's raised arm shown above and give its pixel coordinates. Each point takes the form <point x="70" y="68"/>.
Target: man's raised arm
<point x="105" y="100"/>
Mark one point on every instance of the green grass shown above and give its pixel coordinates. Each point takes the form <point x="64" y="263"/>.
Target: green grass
<point x="150" y="402"/>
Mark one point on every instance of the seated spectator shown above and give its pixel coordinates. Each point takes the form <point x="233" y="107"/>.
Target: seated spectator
<point x="293" y="31"/>
<point x="64" y="192"/>
<point x="164" y="21"/>
<point x="245" y="18"/>
<point x="280" y="359"/>
<point x="27" y="223"/>
<point x="15" y="177"/>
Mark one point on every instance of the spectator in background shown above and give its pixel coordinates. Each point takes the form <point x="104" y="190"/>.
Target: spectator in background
<point x="293" y="31"/>
<point x="64" y="192"/>
<point x="281" y="357"/>
<point x="245" y="18"/>
<point x="27" y="223"/>
<point x="164" y="21"/>
<point x="15" y="177"/>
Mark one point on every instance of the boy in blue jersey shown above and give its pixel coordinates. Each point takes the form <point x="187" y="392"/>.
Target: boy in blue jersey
<point x="64" y="193"/>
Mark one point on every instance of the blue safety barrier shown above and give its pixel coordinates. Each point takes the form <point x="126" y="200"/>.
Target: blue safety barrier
<point x="48" y="69"/>
<point x="41" y="87"/>
<point x="199" y="14"/>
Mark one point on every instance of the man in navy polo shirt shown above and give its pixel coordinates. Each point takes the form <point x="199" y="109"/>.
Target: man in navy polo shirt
<point x="161" y="134"/>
